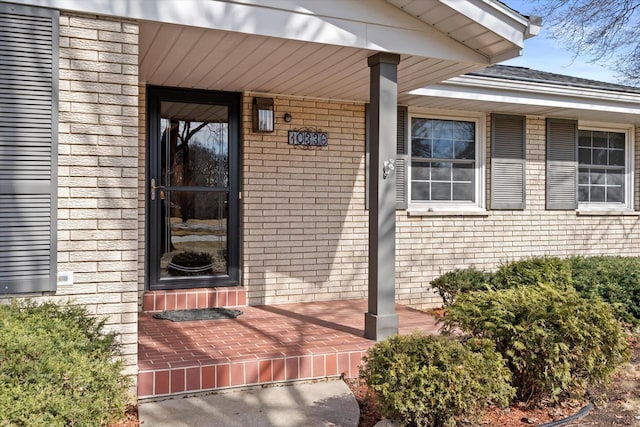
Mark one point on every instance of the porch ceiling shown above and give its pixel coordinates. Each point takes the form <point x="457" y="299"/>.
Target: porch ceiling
<point x="190" y="57"/>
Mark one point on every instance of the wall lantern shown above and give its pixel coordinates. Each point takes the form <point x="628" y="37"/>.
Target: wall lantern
<point x="263" y="114"/>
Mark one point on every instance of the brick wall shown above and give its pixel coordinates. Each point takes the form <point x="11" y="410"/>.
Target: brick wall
<point x="97" y="171"/>
<point x="305" y="227"/>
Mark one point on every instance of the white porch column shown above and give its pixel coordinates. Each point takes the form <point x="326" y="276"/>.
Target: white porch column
<point x="381" y="319"/>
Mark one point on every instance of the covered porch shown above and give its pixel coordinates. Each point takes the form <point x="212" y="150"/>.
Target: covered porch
<point x="266" y="344"/>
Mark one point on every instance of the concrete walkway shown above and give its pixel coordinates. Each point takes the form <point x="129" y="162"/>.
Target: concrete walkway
<point x="328" y="403"/>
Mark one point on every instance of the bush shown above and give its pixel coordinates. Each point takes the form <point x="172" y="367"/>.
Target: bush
<point x="532" y="271"/>
<point x="554" y="341"/>
<point x="426" y="381"/>
<point x="615" y="279"/>
<point x="190" y="264"/>
<point x="463" y="280"/>
<point x="57" y="368"/>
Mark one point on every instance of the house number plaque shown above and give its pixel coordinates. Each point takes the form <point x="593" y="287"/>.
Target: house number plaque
<point x="309" y="137"/>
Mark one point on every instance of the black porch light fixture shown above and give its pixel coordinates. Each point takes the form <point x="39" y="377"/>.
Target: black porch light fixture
<point x="263" y="115"/>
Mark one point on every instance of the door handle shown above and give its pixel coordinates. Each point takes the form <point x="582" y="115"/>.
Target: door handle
<point x="155" y="187"/>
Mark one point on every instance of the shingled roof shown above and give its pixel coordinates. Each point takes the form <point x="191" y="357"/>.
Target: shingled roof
<point x="524" y="74"/>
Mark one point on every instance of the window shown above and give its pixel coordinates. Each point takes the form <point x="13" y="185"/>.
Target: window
<point x="604" y="168"/>
<point x="601" y="166"/>
<point x="446" y="162"/>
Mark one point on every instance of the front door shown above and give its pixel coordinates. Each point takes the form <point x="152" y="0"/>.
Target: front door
<point x="193" y="189"/>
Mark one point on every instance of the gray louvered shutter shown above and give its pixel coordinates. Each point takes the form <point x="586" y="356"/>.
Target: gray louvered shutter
<point x="508" y="188"/>
<point x="562" y="164"/>
<point x="402" y="159"/>
<point x="28" y="148"/>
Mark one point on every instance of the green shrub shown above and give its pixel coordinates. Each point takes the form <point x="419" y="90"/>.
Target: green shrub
<point x="463" y="280"/>
<point x="426" y="381"/>
<point x="57" y="368"/>
<point x="615" y="279"/>
<point x="554" y="341"/>
<point x="532" y="271"/>
<point x="182" y="262"/>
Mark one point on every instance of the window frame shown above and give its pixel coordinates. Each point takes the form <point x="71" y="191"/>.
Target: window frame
<point x="479" y="119"/>
<point x="629" y="166"/>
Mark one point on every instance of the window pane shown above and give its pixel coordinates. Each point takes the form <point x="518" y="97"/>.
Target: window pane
<point x="464" y="150"/>
<point x="616" y="158"/>
<point x="615" y="195"/>
<point x="597" y="194"/>
<point x="597" y="176"/>
<point x="420" y="191"/>
<point x="600" y="139"/>
<point x="421" y="128"/>
<point x="420" y="171"/>
<point x="615" y="178"/>
<point x="442" y="129"/>
<point x="583" y="176"/>
<point x="584" y="138"/>
<point x="464" y="131"/>
<point x="443" y="149"/>
<point x="583" y="193"/>
<point x="463" y="172"/>
<point x="463" y="192"/>
<point x="421" y="148"/>
<point x="441" y="191"/>
<point x="616" y="140"/>
<point x="441" y="171"/>
<point x="599" y="157"/>
<point x="584" y="156"/>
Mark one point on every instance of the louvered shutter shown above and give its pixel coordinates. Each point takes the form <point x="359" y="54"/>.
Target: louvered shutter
<point x="508" y="188"/>
<point x="562" y="164"/>
<point x="402" y="159"/>
<point x="28" y="148"/>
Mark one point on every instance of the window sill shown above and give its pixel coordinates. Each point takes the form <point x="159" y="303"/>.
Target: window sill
<point x="417" y="212"/>
<point x="607" y="212"/>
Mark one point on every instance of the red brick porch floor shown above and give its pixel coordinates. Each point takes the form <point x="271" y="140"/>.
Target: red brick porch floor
<point x="266" y="344"/>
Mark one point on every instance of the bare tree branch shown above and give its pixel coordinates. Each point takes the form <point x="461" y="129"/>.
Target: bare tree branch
<point x="606" y="31"/>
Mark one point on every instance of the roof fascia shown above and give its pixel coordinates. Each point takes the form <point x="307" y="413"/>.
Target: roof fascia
<point x="497" y="18"/>
<point x="529" y="93"/>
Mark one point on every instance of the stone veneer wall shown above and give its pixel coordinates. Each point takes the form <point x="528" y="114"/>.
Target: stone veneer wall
<point x="97" y="171"/>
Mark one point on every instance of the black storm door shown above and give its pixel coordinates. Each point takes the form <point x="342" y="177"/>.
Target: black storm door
<point x="193" y="189"/>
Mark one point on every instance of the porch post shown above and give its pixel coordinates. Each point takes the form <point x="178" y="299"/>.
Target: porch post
<point x="381" y="319"/>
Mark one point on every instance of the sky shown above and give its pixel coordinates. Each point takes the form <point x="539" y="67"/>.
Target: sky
<point x="546" y="54"/>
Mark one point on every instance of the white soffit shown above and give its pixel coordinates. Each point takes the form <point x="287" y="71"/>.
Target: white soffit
<point x="173" y="55"/>
<point x="475" y="93"/>
<point x="487" y="26"/>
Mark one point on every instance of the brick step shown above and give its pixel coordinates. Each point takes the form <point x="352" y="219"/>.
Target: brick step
<point x="211" y="377"/>
<point x="183" y="299"/>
